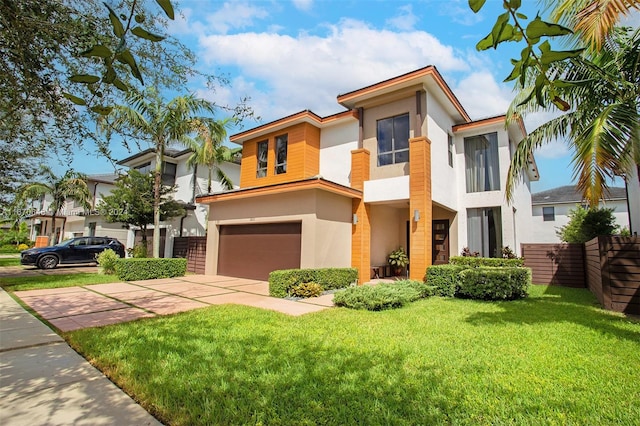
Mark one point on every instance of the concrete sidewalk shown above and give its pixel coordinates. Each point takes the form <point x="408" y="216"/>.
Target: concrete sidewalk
<point x="45" y="382"/>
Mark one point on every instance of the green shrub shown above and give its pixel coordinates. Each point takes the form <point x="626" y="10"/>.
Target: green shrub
<point x="382" y="296"/>
<point x="476" y="262"/>
<point x="488" y="283"/>
<point x="445" y="278"/>
<point x="148" y="268"/>
<point x="281" y="282"/>
<point x="107" y="261"/>
<point x="139" y="251"/>
<point x="22" y="246"/>
<point x="306" y="290"/>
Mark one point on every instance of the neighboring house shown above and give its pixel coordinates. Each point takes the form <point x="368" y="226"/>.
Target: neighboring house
<point x="74" y="219"/>
<point x="633" y="195"/>
<point x="403" y="166"/>
<point x="176" y="172"/>
<point x="551" y="209"/>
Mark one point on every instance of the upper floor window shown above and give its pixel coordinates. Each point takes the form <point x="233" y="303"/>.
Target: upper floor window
<point x="262" y="159"/>
<point x="450" y="149"/>
<point x="481" y="163"/>
<point x="169" y="173"/>
<point x="393" y="140"/>
<point x="548" y="214"/>
<point x="144" y="168"/>
<point x="281" y="154"/>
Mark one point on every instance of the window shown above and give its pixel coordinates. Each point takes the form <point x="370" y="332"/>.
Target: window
<point x="169" y="173"/>
<point x="481" y="163"/>
<point x="144" y="168"/>
<point x="393" y="140"/>
<point x="548" y="214"/>
<point x="450" y="148"/>
<point x="484" y="231"/>
<point x="262" y="159"/>
<point x="281" y="154"/>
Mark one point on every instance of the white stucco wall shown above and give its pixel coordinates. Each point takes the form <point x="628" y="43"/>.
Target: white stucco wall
<point x="443" y="176"/>
<point x="336" y="144"/>
<point x="633" y="190"/>
<point x="514" y="225"/>
<point x="545" y="232"/>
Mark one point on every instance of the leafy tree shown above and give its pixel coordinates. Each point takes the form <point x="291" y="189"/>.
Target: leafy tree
<point x="207" y="150"/>
<point x="132" y="202"/>
<point x="596" y="83"/>
<point x="150" y="118"/>
<point x="586" y="224"/>
<point x="72" y="186"/>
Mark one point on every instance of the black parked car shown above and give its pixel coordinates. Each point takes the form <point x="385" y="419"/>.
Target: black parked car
<point x="75" y="250"/>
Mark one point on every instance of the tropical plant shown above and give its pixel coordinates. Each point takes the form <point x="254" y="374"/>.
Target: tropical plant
<point x="603" y="127"/>
<point x="398" y="258"/>
<point x="207" y="150"/>
<point x="586" y="224"/>
<point x="132" y="202"/>
<point x="150" y="118"/>
<point x="71" y="186"/>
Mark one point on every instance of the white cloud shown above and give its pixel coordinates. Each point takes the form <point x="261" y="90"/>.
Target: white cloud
<point x="304" y="5"/>
<point x="405" y="20"/>
<point x="233" y="15"/>
<point x="482" y="96"/>
<point x="308" y="71"/>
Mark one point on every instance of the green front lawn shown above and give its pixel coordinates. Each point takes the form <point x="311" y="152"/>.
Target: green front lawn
<point x="554" y="358"/>
<point x="55" y="281"/>
<point x="9" y="261"/>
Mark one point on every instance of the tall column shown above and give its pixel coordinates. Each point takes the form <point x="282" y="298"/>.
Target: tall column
<point x="361" y="230"/>
<point x="420" y="205"/>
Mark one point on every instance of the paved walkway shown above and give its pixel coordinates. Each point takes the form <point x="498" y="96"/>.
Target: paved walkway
<point x="72" y="308"/>
<point x="45" y="382"/>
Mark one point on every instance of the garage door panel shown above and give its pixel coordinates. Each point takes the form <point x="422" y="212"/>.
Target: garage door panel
<point x="253" y="251"/>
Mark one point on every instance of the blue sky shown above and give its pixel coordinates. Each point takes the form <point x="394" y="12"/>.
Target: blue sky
<point x="293" y="55"/>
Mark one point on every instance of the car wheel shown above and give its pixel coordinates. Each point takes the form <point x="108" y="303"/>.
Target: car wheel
<point x="48" y="262"/>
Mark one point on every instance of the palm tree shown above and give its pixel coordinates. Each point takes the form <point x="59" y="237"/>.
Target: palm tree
<point x="603" y="128"/>
<point x="71" y="186"/>
<point x="592" y="20"/>
<point x="149" y="117"/>
<point x="207" y="150"/>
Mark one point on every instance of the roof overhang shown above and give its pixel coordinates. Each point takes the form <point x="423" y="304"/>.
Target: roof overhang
<point x="150" y="153"/>
<point x="427" y="77"/>
<point x="280" y="188"/>
<point x="305" y="116"/>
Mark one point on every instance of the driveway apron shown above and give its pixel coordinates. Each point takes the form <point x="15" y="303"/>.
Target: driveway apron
<point x="73" y="308"/>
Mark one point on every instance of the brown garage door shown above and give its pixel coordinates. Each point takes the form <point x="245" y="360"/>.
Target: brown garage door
<point x="253" y="251"/>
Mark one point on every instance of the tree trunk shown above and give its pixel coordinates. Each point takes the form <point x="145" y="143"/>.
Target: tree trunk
<point x="209" y="182"/>
<point x="156" y="200"/>
<point x="195" y="182"/>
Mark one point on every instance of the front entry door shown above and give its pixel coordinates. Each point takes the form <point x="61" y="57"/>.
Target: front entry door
<point x="440" y="249"/>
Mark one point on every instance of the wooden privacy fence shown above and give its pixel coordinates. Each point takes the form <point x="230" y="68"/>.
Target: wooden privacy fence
<point x="194" y="249"/>
<point x="555" y="264"/>
<point x="613" y="272"/>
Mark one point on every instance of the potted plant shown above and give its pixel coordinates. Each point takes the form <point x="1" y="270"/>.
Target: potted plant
<point x="398" y="259"/>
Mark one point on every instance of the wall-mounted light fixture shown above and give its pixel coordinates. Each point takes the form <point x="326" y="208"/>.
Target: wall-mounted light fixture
<point x="355" y="219"/>
<point x="416" y="215"/>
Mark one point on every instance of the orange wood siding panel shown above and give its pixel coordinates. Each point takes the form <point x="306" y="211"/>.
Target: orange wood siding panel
<point x="360" y="232"/>
<point x="303" y="156"/>
<point x="420" y="199"/>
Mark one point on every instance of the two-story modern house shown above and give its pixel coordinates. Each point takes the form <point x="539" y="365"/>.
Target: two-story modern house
<point x="551" y="209"/>
<point x="175" y="171"/>
<point x="403" y="166"/>
<point x="74" y="220"/>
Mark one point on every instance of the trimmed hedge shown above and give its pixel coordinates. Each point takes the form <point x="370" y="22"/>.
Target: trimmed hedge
<point x="134" y="269"/>
<point x="494" y="283"/>
<point x="476" y="262"/>
<point x="383" y="296"/>
<point x="444" y="278"/>
<point x="281" y="282"/>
